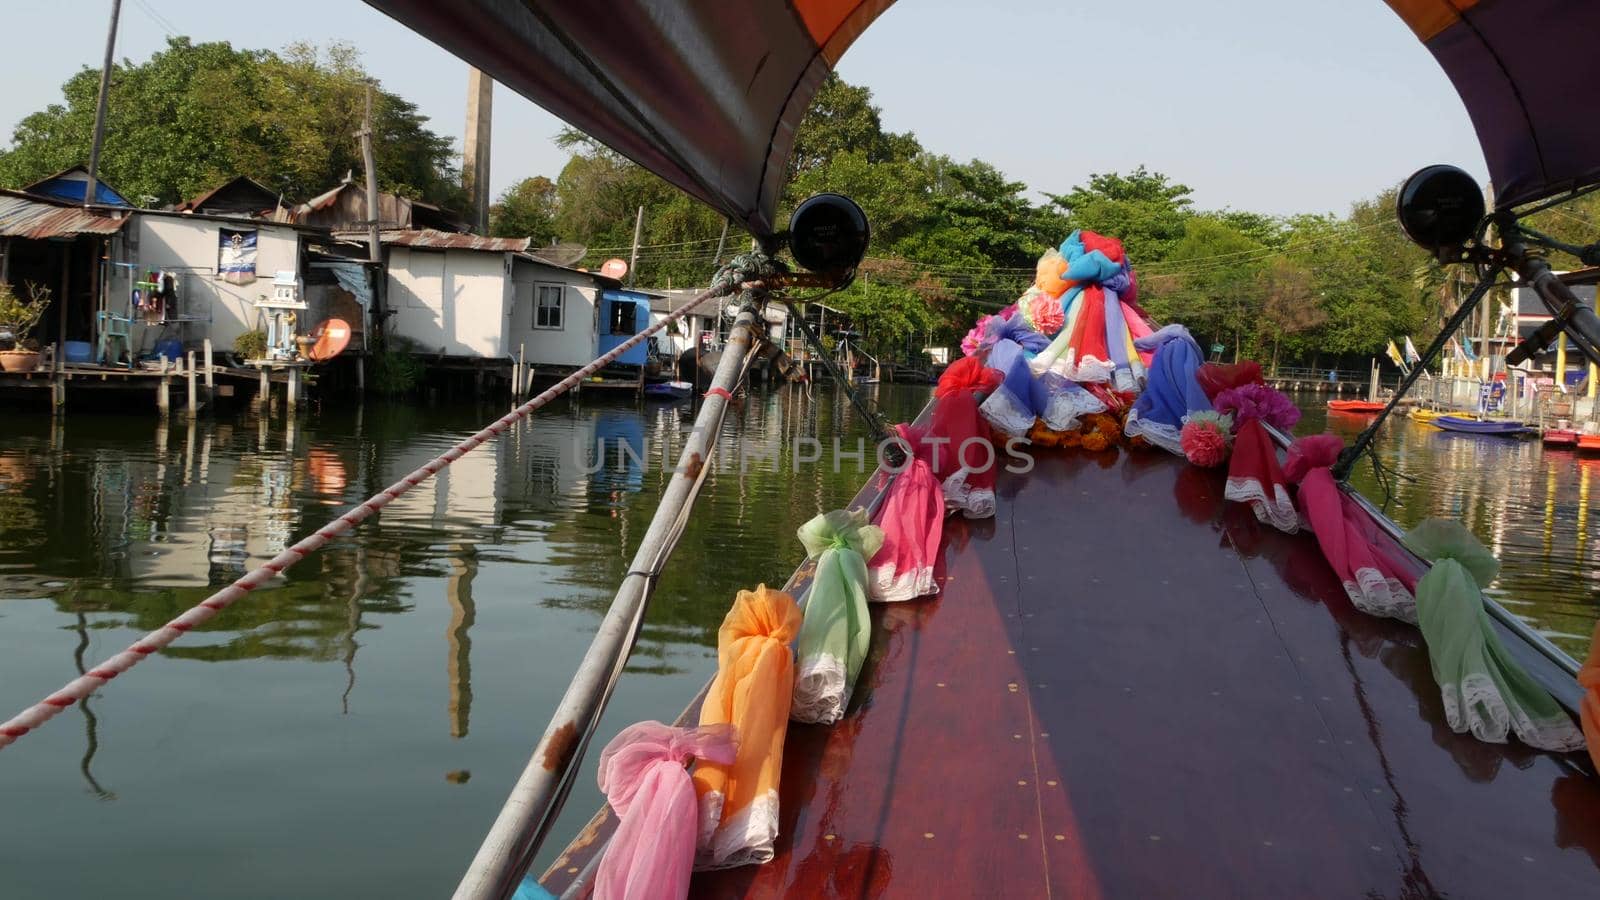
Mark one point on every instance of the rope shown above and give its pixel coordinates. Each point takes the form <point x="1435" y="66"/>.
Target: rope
<point x="1363" y="441"/>
<point x="86" y="684"/>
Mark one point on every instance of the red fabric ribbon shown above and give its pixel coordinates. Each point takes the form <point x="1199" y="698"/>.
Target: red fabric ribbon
<point x="1254" y="477"/>
<point x="967" y="374"/>
<point x="1215" y="378"/>
<point x="1376" y="582"/>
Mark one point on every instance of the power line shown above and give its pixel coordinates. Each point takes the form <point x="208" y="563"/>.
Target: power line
<point x="161" y="21"/>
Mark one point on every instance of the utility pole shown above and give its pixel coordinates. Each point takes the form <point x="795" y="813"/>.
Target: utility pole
<point x="633" y="258"/>
<point x="374" y="241"/>
<point x="721" y="242"/>
<point x="475" y="147"/>
<point x="90" y="188"/>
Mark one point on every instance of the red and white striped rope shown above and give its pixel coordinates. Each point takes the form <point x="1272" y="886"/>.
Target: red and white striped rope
<point x="86" y="684"/>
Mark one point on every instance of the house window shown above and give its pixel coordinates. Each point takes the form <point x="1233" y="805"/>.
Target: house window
<point x="622" y="317"/>
<point x="547" y="307"/>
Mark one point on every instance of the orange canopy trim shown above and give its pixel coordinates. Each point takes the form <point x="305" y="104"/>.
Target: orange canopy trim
<point x="1429" y="17"/>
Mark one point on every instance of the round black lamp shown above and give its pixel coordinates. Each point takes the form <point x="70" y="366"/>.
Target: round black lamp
<point x="828" y="233"/>
<point x="1440" y="208"/>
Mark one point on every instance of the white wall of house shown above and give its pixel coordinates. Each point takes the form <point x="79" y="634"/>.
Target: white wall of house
<point x="191" y="247"/>
<point x="574" y="342"/>
<point x="453" y="302"/>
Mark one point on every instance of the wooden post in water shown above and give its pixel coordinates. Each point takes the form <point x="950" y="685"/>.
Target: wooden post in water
<point x="263" y="388"/>
<point x="210" y="377"/>
<point x="292" y="401"/>
<point x="163" y="390"/>
<point x="193" y="407"/>
<point x="519" y="384"/>
<point x="1372" y="389"/>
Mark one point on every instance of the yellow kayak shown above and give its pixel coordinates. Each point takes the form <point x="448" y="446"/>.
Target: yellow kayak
<point x="1424" y="415"/>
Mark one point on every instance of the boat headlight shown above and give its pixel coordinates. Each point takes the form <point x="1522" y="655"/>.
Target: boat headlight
<point x="1440" y="209"/>
<point x="828" y="233"/>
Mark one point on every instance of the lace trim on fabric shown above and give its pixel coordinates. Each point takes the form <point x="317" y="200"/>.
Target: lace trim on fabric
<point x="1006" y="412"/>
<point x="743" y="840"/>
<point x="820" y="691"/>
<point x="1091" y="369"/>
<point x="1277" y="511"/>
<point x="1488" y="717"/>
<point x="889" y="586"/>
<point x="1164" y="436"/>
<point x="1378" y="595"/>
<point x="1065" y="406"/>
<point x="974" y="503"/>
<point x="1125" y="380"/>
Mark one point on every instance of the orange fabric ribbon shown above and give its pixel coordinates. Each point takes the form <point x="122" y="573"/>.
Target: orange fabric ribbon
<point x="752" y="691"/>
<point x="1589" y="709"/>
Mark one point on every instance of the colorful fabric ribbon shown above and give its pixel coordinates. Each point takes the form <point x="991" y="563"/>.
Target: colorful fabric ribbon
<point x="1171" y="392"/>
<point x="912" y="523"/>
<point x="835" y="634"/>
<point x="752" y="691"/>
<point x="1254" y="477"/>
<point x="1589" y="710"/>
<point x="966" y="374"/>
<point x="642" y="774"/>
<point x="1215" y="378"/>
<point x="1100" y="318"/>
<point x="1377" y="584"/>
<point x="1022" y="397"/>
<point x="957" y="448"/>
<point x="1484" y="690"/>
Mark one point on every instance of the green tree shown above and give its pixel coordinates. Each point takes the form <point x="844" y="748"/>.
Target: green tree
<point x="526" y="209"/>
<point x="194" y="115"/>
<point x="1143" y="208"/>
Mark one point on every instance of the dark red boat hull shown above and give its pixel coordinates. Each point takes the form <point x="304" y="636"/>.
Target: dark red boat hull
<point x="1130" y="688"/>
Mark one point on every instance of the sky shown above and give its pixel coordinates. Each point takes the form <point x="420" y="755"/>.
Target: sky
<point x="1276" y="106"/>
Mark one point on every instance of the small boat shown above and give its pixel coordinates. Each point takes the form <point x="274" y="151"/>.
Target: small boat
<point x="1356" y="406"/>
<point x="1480" y="426"/>
<point x="1424" y="415"/>
<point x="1589" y="443"/>
<point x="668" y="390"/>
<point x="1560" y="437"/>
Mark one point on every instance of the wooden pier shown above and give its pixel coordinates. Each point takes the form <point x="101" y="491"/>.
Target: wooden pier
<point x="197" y="382"/>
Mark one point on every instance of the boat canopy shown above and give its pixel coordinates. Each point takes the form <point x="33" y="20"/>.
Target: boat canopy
<point x="708" y="94"/>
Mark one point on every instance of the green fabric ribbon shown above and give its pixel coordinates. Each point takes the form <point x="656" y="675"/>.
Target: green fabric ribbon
<point x="1484" y="690"/>
<point x="835" y="635"/>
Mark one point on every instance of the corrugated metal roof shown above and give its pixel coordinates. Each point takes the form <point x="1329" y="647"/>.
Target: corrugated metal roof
<point x="29" y="217"/>
<point x="446" y="240"/>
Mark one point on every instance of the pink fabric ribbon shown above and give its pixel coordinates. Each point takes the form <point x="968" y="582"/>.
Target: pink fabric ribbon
<point x="1254" y="477"/>
<point x="651" y="856"/>
<point x="1376" y="582"/>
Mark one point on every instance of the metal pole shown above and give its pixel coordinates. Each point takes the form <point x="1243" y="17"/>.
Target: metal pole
<point x="89" y="190"/>
<point x="536" y="798"/>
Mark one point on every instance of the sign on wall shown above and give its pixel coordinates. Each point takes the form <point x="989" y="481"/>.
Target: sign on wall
<point x="236" y="261"/>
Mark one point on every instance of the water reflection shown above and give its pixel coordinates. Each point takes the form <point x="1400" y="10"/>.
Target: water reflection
<point x="110" y="526"/>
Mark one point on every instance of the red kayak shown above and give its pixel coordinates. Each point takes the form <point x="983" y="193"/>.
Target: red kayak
<point x="1589" y="443"/>
<point x="1356" y="406"/>
<point x="1560" y="437"/>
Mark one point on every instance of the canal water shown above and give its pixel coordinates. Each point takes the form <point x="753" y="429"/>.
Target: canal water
<point x="352" y="728"/>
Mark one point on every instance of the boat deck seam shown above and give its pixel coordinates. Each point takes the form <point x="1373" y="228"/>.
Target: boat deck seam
<point x="1033" y="722"/>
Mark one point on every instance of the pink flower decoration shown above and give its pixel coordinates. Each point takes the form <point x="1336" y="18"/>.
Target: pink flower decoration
<point x="1257" y="401"/>
<point x="970" y="343"/>
<point x="1204" y="441"/>
<point x="1044" y="314"/>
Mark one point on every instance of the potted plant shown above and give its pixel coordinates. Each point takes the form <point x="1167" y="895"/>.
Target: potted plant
<point x="251" y="344"/>
<point x="18" y="318"/>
